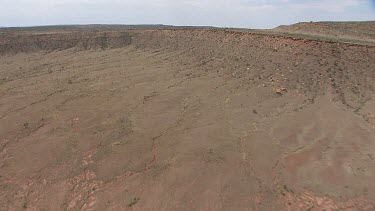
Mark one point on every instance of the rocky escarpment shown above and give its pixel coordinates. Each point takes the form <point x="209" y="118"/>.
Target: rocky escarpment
<point x="312" y="67"/>
<point x="15" y="43"/>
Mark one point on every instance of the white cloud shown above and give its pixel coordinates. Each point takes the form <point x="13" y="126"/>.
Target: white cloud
<point x="328" y="5"/>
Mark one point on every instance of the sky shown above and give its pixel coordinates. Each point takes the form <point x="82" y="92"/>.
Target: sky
<point x="222" y="13"/>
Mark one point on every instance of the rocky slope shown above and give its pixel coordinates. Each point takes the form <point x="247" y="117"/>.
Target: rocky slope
<point x="185" y="119"/>
<point x="341" y="31"/>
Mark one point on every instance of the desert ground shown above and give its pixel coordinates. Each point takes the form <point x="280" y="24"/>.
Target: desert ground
<point x="174" y="118"/>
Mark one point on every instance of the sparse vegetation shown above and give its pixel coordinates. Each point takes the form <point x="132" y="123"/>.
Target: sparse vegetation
<point x="26" y="125"/>
<point x="282" y="189"/>
<point x="133" y="201"/>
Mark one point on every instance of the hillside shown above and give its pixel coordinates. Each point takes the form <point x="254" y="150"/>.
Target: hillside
<point x="185" y="119"/>
<point x="339" y="31"/>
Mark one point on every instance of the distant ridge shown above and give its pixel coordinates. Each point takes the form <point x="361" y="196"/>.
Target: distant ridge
<point x="360" y="32"/>
<point x="363" y="31"/>
<point x="99" y="27"/>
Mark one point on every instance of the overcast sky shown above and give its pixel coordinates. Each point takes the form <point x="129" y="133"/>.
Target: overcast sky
<point x="225" y="13"/>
